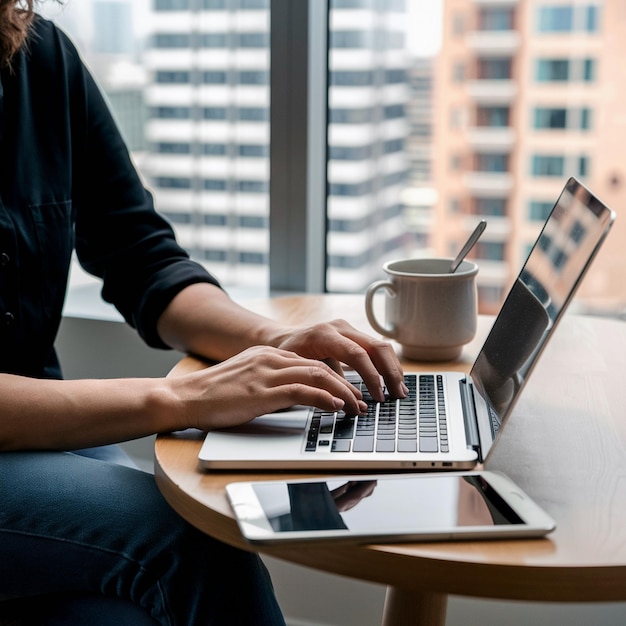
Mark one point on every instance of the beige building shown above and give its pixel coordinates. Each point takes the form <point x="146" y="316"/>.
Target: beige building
<point x="528" y="93"/>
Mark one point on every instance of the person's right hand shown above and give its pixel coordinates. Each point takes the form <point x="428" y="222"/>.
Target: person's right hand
<point x="259" y="380"/>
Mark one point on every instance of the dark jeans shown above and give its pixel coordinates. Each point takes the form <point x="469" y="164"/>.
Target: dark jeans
<point x="98" y="540"/>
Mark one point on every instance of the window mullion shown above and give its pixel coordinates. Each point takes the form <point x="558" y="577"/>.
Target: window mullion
<point x="298" y="145"/>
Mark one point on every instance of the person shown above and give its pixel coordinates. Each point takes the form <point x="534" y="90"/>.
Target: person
<point x="93" y="536"/>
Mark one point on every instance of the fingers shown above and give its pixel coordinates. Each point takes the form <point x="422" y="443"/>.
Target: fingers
<point x="310" y="382"/>
<point x="371" y="358"/>
<point x="338" y="341"/>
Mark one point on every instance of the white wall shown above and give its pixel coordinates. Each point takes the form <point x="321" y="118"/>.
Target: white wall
<point x="105" y="348"/>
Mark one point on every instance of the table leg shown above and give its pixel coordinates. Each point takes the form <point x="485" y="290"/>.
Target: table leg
<point x="412" y="608"/>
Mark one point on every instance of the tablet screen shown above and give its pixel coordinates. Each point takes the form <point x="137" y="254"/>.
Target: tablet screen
<point x="396" y="504"/>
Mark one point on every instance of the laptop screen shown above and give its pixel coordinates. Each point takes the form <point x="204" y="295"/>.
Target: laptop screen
<point x="553" y="270"/>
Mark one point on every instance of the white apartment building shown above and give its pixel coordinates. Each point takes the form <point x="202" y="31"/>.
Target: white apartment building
<point x="208" y="105"/>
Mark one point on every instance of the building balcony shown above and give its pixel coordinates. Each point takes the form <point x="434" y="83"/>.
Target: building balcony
<point x="486" y="183"/>
<point x="492" y="91"/>
<point x="486" y="138"/>
<point x="491" y="42"/>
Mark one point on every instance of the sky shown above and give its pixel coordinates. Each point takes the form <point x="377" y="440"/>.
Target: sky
<point x="424" y="26"/>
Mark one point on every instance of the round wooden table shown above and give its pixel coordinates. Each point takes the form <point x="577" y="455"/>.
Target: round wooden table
<point x="565" y="445"/>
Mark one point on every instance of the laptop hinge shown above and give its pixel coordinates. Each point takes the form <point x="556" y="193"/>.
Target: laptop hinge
<point x="469" y="415"/>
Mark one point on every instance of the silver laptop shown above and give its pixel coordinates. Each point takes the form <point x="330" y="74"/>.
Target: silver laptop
<point x="449" y="420"/>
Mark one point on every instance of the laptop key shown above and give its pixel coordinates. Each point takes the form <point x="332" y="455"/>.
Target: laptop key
<point x="428" y="444"/>
<point x="340" y="445"/>
<point x="385" y="445"/>
<point x="363" y="443"/>
<point x="407" y="445"/>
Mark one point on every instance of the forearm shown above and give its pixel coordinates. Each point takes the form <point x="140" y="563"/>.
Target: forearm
<point x="52" y="414"/>
<point x="203" y="320"/>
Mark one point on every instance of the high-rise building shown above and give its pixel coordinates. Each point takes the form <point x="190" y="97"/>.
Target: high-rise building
<point x="208" y="103"/>
<point x="528" y="93"/>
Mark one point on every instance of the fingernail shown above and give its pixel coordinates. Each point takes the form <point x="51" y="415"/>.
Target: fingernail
<point x="338" y="403"/>
<point x="363" y="406"/>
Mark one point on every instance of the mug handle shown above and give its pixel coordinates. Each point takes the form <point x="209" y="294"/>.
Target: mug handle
<point x="369" y="309"/>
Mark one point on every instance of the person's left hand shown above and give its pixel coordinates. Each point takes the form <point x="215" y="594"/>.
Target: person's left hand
<point x="338" y="342"/>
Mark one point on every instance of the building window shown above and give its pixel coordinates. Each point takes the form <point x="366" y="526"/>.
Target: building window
<point x="568" y="18"/>
<point x="172" y="77"/>
<point x="350" y="153"/>
<point x="214" y="149"/>
<point x="171" y="40"/>
<point x="489" y="206"/>
<point x="253" y="40"/>
<point x="538" y="211"/>
<point x="215" y="113"/>
<point x="562" y="70"/>
<point x="172" y="182"/>
<point x="543" y="165"/>
<point x="252" y="186"/>
<point x="351" y="116"/>
<point x="212" y="184"/>
<point x="550" y="118"/>
<point x="253" y="150"/>
<point x="214" y="40"/>
<point x="165" y="147"/>
<point x="356" y="78"/>
<point x="492" y="116"/>
<point x="496" y="18"/>
<point x="253" y="77"/>
<point x="488" y="162"/>
<point x="252" y="114"/>
<point x="214" y="77"/>
<point x="489" y="251"/>
<point x="171" y="113"/>
<point x="494" y="68"/>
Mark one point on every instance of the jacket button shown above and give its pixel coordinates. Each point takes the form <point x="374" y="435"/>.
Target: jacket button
<point x="9" y="318"/>
<point x="4" y="259"/>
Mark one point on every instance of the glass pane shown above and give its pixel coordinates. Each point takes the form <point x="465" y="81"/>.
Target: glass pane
<point x="188" y="81"/>
<point x="368" y="167"/>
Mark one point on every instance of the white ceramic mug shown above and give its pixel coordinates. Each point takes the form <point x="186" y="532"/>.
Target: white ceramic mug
<point x="431" y="313"/>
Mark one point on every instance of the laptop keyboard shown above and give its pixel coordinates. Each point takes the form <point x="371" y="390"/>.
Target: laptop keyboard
<point x="415" y="423"/>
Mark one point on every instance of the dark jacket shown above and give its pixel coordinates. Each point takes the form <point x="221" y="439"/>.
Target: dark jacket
<point x="67" y="183"/>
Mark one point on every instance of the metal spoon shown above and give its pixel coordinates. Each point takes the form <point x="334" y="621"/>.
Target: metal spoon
<point x="469" y="244"/>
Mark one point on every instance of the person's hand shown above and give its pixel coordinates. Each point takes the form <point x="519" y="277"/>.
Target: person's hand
<point x="338" y="342"/>
<point x="351" y="493"/>
<point x="259" y="380"/>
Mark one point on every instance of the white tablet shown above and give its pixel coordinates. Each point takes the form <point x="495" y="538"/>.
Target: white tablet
<point x="387" y="508"/>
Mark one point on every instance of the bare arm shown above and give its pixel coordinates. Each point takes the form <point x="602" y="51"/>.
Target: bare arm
<point x="264" y="365"/>
<point x="203" y="320"/>
<point x="53" y="414"/>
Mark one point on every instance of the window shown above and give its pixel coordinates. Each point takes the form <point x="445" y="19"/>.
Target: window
<point x="489" y="206"/>
<point x="550" y="118"/>
<point x="489" y="250"/>
<point x="494" y="69"/>
<point x="174" y="40"/>
<point x="169" y="77"/>
<point x="496" y="18"/>
<point x="173" y="148"/>
<point x="539" y="210"/>
<point x="492" y="116"/>
<point x="562" y="70"/>
<point x="491" y="162"/>
<point x="208" y="113"/>
<point x="568" y="18"/>
<point x="543" y="165"/>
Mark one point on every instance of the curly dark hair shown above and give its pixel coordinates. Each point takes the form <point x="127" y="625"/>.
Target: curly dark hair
<point x="15" y="20"/>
